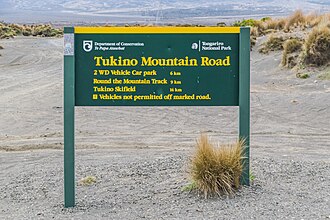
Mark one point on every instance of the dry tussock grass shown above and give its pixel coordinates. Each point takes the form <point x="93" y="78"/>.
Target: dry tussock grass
<point x="295" y="20"/>
<point x="254" y="31"/>
<point x="217" y="171"/>
<point x="273" y="43"/>
<point x="313" y="19"/>
<point x="317" y="46"/>
<point x="276" y="24"/>
<point x="290" y="46"/>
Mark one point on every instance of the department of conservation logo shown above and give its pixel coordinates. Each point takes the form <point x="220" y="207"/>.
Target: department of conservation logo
<point x="87" y="45"/>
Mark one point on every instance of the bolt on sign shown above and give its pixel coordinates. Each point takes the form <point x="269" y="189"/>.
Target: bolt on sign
<point x="154" y="66"/>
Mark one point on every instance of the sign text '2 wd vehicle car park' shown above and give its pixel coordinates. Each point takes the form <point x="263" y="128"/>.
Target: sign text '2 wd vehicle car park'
<point x="154" y="66"/>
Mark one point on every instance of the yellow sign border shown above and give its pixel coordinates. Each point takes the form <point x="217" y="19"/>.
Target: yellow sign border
<point x="156" y="30"/>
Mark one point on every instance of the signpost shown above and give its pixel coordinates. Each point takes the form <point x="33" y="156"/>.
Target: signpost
<point x="154" y="66"/>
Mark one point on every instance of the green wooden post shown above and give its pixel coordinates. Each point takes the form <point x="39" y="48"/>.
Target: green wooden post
<point x="244" y="100"/>
<point x="69" y="102"/>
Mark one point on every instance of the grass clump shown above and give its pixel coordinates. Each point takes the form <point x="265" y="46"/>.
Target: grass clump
<point x="302" y="75"/>
<point x="313" y="19"/>
<point x="276" y="24"/>
<point x="216" y="171"/>
<point x="317" y="47"/>
<point x="254" y="32"/>
<point x="221" y="24"/>
<point x="295" y="20"/>
<point x="190" y="187"/>
<point x="252" y="177"/>
<point x="256" y="26"/>
<point x="265" y="19"/>
<point x="45" y="31"/>
<point x="42" y="30"/>
<point x="291" y="50"/>
<point x="6" y="32"/>
<point x="245" y="22"/>
<point x="87" y="181"/>
<point x="272" y="44"/>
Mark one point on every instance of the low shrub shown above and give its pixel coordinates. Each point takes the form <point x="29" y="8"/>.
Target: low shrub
<point x="276" y="24"/>
<point x="244" y="23"/>
<point x="254" y="32"/>
<point x="295" y="20"/>
<point x="221" y="24"/>
<point x="291" y="50"/>
<point x="216" y="171"/>
<point x="313" y="19"/>
<point x="253" y="41"/>
<point x="317" y="47"/>
<point x="11" y="30"/>
<point x="302" y="75"/>
<point x="87" y="181"/>
<point x="6" y="32"/>
<point x="27" y="31"/>
<point x="265" y="19"/>
<point x="272" y="44"/>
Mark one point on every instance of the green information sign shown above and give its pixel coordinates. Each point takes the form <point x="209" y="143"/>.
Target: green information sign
<point x="156" y="69"/>
<point x="154" y="66"/>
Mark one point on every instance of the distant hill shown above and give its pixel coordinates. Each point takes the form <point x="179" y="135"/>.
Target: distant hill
<point x="150" y="11"/>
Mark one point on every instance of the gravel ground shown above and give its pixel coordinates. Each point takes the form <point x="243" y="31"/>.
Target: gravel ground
<point x="147" y="184"/>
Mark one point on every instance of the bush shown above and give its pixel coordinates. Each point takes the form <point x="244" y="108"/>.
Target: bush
<point x="254" y="32"/>
<point x="7" y="35"/>
<point x="291" y="46"/>
<point x="313" y="19"/>
<point x="216" y="171"/>
<point x="272" y="44"/>
<point x="5" y="31"/>
<point x="221" y="24"/>
<point x="253" y="41"/>
<point x="265" y="19"/>
<point x="87" y="181"/>
<point x="11" y="30"/>
<point x="27" y="31"/>
<point x="277" y="24"/>
<point x="302" y="75"/>
<point x="317" y="47"/>
<point x="295" y="20"/>
<point x="248" y="22"/>
<point x="16" y="28"/>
